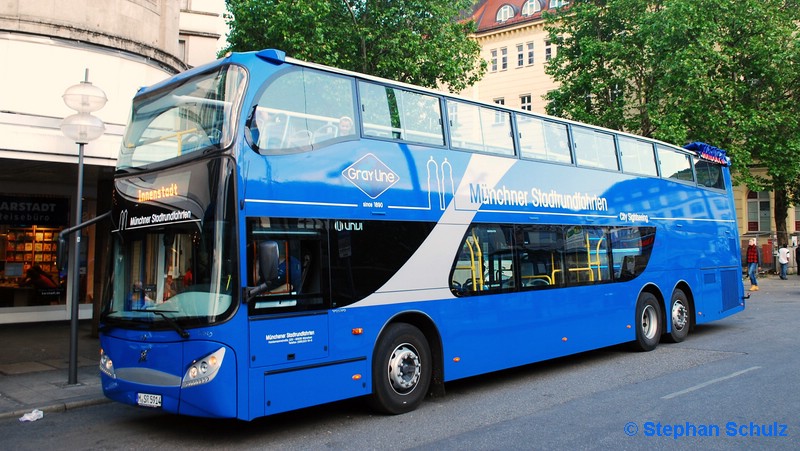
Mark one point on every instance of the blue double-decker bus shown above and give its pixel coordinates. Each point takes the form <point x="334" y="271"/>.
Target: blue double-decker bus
<point x="288" y="234"/>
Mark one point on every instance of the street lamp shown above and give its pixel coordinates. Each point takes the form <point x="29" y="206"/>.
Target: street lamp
<point x="82" y="127"/>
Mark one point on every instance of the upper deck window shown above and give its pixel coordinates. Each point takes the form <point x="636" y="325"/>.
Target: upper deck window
<point x="480" y="128"/>
<point x="594" y="149"/>
<point x="543" y="140"/>
<point x="675" y="165"/>
<point x="637" y="156"/>
<point x="302" y="109"/>
<point x="192" y="114"/>
<point x="709" y="174"/>
<point x="393" y="113"/>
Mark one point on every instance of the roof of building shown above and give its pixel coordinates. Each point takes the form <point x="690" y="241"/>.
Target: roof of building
<point x="485" y="13"/>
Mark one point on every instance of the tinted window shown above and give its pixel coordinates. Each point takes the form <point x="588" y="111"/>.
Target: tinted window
<point x="631" y="248"/>
<point x="709" y="174"/>
<point x="366" y="254"/>
<point x="328" y="263"/>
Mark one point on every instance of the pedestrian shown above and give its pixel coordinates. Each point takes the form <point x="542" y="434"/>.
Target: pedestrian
<point x="783" y="258"/>
<point x="753" y="263"/>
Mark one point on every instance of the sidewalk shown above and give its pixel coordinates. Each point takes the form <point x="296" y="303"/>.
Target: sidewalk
<point x="34" y="368"/>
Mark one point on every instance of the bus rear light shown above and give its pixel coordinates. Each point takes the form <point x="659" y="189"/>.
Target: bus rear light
<point x="204" y="370"/>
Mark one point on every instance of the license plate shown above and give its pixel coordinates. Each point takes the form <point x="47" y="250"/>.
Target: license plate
<point x="148" y="400"/>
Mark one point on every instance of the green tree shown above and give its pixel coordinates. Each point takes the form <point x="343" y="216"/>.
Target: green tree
<point x="412" y="41"/>
<point x="722" y="71"/>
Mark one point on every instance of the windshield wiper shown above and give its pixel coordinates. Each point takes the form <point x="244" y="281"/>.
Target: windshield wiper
<point x="163" y="313"/>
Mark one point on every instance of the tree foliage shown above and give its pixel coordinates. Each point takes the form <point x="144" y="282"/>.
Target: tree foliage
<point x="412" y="41"/>
<point x="721" y="71"/>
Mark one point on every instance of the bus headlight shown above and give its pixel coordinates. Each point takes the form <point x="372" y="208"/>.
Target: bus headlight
<point x="203" y="370"/>
<point x="106" y="365"/>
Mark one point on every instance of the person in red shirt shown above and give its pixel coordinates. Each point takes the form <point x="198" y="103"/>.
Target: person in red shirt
<point x="187" y="278"/>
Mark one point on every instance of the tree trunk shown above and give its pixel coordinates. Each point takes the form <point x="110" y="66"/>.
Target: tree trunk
<point x="781" y="212"/>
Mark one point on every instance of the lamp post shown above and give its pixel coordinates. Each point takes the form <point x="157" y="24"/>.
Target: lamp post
<point x="82" y="127"/>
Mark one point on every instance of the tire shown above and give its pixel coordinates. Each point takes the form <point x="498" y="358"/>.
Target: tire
<point x="680" y="317"/>
<point x="648" y="323"/>
<point x="401" y="370"/>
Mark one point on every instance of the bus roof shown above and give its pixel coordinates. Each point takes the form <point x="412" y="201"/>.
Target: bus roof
<point x="701" y="150"/>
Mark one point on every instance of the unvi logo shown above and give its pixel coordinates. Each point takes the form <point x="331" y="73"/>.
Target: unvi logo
<point x="370" y="175"/>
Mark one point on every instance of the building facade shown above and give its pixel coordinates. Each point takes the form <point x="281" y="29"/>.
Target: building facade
<point x="48" y="46"/>
<point x="516" y="48"/>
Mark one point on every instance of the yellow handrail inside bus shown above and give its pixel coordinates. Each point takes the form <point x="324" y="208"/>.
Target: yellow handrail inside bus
<point x="475" y="262"/>
<point x="178" y="134"/>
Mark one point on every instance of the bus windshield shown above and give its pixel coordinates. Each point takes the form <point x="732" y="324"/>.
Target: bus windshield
<point x="194" y="114"/>
<point x="173" y="251"/>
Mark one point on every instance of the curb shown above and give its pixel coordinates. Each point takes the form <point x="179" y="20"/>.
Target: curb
<point x="56" y="407"/>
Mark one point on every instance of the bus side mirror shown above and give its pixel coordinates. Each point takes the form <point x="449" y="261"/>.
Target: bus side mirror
<point x="267" y="267"/>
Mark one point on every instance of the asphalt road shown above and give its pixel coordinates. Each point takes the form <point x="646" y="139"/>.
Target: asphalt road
<point x="734" y="384"/>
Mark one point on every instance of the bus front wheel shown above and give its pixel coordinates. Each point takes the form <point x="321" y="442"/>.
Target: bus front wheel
<point x="648" y="322"/>
<point x="680" y="317"/>
<point x="401" y="369"/>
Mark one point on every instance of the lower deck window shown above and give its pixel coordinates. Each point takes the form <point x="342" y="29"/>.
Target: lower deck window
<point x="327" y="263"/>
<point x="502" y="257"/>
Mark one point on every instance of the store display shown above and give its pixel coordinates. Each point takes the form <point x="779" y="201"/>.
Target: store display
<point x="33" y="246"/>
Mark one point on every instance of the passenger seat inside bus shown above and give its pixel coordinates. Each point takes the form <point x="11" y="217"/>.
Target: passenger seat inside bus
<point x="300" y="138"/>
<point x="324" y="133"/>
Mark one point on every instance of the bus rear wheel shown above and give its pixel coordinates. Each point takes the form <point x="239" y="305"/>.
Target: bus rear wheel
<point x="401" y="370"/>
<point x="680" y="317"/>
<point x="648" y="322"/>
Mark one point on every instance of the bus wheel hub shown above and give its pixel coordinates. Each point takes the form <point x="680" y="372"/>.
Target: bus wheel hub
<point x="404" y="369"/>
